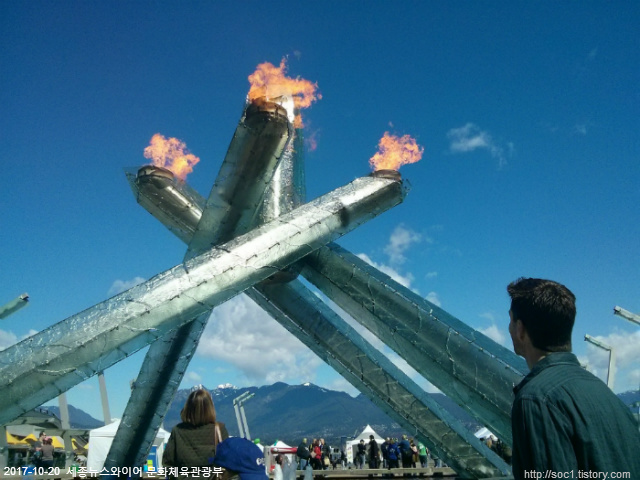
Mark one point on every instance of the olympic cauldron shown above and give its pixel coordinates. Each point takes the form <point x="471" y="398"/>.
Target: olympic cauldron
<point x="255" y="234"/>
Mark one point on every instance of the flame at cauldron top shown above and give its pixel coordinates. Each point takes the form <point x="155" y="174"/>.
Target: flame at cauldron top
<point x="172" y="154"/>
<point x="394" y="151"/>
<point x="271" y="82"/>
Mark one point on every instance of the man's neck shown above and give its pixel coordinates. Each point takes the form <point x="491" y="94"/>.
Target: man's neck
<point x="533" y="355"/>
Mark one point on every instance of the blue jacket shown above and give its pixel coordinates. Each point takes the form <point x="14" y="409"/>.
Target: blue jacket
<point x="392" y="451"/>
<point x="405" y="448"/>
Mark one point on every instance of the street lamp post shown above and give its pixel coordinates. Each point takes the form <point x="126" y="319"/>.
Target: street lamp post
<point x="238" y="406"/>
<point x="627" y="315"/>
<point x="612" y="358"/>
<point x="14" y="305"/>
<point x="105" y="399"/>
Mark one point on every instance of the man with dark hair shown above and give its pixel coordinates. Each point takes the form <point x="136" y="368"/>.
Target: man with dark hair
<point x="362" y="453"/>
<point x="564" y="419"/>
<point x="303" y="454"/>
<point x="374" y="452"/>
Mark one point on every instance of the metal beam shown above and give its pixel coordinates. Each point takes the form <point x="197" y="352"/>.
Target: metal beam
<point x="330" y="351"/>
<point x="473" y="370"/>
<point x="52" y="361"/>
<point x="258" y="143"/>
<point x="236" y="196"/>
<point x="180" y="208"/>
<point x="302" y="313"/>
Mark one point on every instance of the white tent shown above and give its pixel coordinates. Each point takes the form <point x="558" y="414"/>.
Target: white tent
<point x="100" y="440"/>
<point x="364" y="435"/>
<point x="483" y="433"/>
<point x="282" y="448"/>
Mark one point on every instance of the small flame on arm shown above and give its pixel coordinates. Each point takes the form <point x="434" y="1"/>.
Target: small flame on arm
<point x="172" y="154"/>
<point x="394" y="151"/>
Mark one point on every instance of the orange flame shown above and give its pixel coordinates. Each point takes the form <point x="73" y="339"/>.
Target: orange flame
<point x="172" y="154"/>
<point x="271" y="82"/>
<point x="394" y="151"/>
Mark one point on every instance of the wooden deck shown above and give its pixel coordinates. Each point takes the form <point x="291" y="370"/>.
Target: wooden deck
<point x="427" y="472"/>
<point x="379" y="473"/>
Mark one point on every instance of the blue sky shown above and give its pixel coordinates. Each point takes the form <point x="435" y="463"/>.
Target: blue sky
<point x="529" y="115"/>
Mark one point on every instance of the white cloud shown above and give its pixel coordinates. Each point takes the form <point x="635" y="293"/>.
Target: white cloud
<point x="341" y="385"/>
<point x="192" y="377"/>
<point x="402" y="365"/>
<point x="489" y="316"/>
<point x="431" y="275"/>
<point x="627" y="355"/>
<point x="85" y="386"/>
<point x="404" y="280"/>
<point x="470" y="137"/>
<point x="120" y="286"/>
<point x="245" y="336"/>
<point x="399" y="242"/>
<point x="433" y="298"/>
<point x="9" y="338"/>
<point x="427" y="386"/>
<point x="626" y="346"/>
<point x="364" y="332"/>
<point x="582" y="128"/>
<point x="410" y="372"/>
<point x="496" y="334"/>
<point x="378" y="344"/>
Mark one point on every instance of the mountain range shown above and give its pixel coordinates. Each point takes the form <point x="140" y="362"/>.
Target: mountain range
<point x="77" y="418"/>
<point x="292" y="412"/>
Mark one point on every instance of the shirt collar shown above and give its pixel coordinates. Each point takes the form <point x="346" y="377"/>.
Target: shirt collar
<point x="551" y="360"/>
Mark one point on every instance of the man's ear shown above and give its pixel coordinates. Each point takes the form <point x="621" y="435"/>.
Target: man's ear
<point x="521" y="331"/>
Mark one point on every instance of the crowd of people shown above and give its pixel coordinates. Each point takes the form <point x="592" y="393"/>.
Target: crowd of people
<point x="392" y="453"/>
<point x="404" y="452"/>
<point x="196" y="441"/>
<point x="318" y="455"/>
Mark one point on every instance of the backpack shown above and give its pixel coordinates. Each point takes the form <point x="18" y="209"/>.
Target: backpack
<point x="407" y="455"/>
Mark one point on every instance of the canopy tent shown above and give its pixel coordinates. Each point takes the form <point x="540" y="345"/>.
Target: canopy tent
<point x="483" y="433"/>
<point x="364" y="435"/>
<point x="100" y="440"/>
<point x="78" y="447"/>
<point x="57" y="442"/>
<point x="279" y="448"/>
<point x="13" y="440"/>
